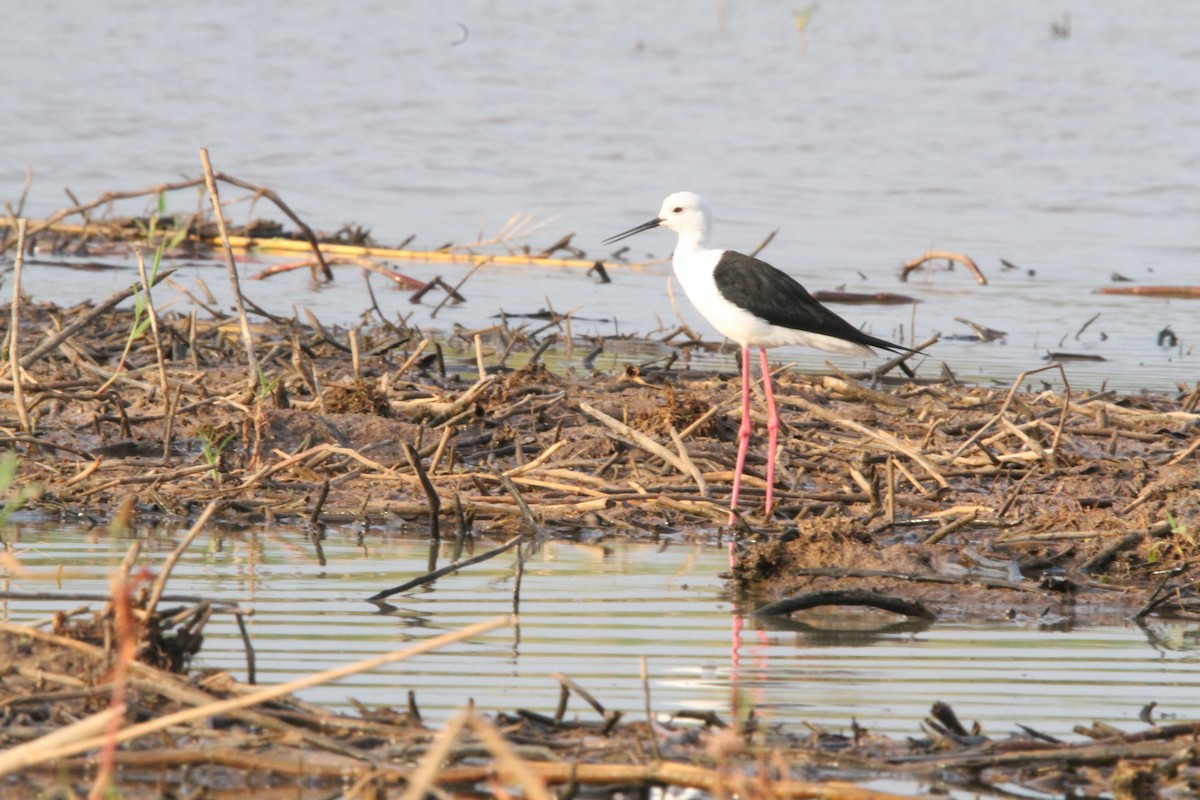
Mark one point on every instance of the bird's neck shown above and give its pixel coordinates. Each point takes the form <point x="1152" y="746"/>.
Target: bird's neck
<point x="690" y="243"/>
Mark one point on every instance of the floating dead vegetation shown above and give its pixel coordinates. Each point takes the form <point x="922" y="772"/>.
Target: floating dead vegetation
<point x="1178" y="292"/>
<point x="100" y="233"/>
<point x="949" y="258"/>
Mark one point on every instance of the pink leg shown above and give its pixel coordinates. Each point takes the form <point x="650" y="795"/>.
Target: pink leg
<point x="743" y="433"/>
<point x="772" y="429"/>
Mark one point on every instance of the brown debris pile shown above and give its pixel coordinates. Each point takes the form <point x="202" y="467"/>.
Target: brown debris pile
<point x="1052" y="497"/>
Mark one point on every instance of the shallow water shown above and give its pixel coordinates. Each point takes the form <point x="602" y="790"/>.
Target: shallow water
<point x="590" y="609"/>
<point x="884" y="130"/>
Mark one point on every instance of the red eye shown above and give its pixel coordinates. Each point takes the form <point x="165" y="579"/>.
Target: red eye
<point x="677" y="210"/>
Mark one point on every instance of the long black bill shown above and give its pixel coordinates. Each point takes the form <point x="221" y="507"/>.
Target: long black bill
<point x="645" y="226"/>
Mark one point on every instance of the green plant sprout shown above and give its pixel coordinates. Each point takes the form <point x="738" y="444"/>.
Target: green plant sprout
<point x="150" y="229"/>
<point x="213" y="449"/>
<point x="1182" y="543"/>
<point x="266" y="388"/>
<point x="13" y="500"/>
<point x="141" y="319"/>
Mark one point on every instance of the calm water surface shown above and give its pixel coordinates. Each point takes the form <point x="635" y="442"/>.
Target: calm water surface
<point x="591" y="609"/>
<point x="885" y="129"/>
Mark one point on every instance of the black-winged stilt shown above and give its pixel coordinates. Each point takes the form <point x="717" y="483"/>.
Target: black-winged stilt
<point x="754" y="304"/>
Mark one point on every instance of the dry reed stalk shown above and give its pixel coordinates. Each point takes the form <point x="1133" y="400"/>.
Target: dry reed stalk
<point x="14" y="332"/>
<point x="231" y="269"/>
<point x="416" y="354"/>
<point x="645" y="676"/>
<point x="1187" y="451"/>
<point x="916" y="484"/>
<point x="153" y="477"/>
<point x="566" y="473"/>
<point x="322" y="495"/>
<point x="153" y="315"/>
<point x="83" y="474"/>
<point x="431" y="495"/>
<point x="29" y="754"/>
<point x="125" y="629"/>
<point x="951" y="527"/>
<point x="889" y="440"/>
<point x="554" y="486"/>
<point x="355" y="361"/>
<point x="634" y="438"/>
<point x="449" y="411"/>
<point x="440" y="450"/>
<point x="846" y="386"/>
<point x="453" y="293"/>
<point x="508" y="763"/>
<point x="479" y="356"/>
<point x="20" y="209"/>
<point x="686" y="459"/>
<point x="309" y="237"/>
<point x="671" y="773"/>
<point x="160" y="582"/>
<point x="51" y="222"/>
<point x="169" y="424"/>
<point x="1008" y="400"/>
<point x="715" y="782"/>
<point x="42" y="755"/>
<point x="431" y="256"/>
<point x="535" y="464"/>
<point x="321" y="449"/>
<point x="709" y="509"/>
<point x="422" y="779"/>
<point x="526" y="512"/>
<point x="584" y="694"/>
<point x="889" y="504"/>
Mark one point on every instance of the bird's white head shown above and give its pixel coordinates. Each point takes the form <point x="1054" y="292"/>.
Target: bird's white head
<point x="686" y="213"/>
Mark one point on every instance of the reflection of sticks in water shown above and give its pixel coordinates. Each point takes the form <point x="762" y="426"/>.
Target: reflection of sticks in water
<point x="847" y="597"/>
<point x="446" y="570"/>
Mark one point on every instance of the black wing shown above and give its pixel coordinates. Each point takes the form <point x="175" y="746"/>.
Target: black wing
<point x="773" y="295"/>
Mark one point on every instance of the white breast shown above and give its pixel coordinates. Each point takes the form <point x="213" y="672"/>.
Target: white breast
<point x="695" y="274"/>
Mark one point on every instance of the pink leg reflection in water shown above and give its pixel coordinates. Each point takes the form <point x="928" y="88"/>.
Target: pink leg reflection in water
<point x="737" y="700"/>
